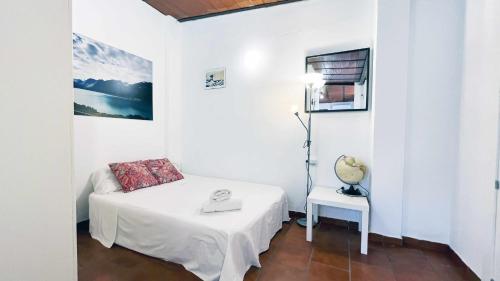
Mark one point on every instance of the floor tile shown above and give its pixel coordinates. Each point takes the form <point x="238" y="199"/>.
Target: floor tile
<point x="295" y="237"/>
<point x="252" y="274"/>
<point x="407" y="258"/>
<point x="322" y="272"/>
<point x="407" y="272"/>
<point x="330" y="241"/>
<point x="333" y="255"/>
<point x="438" y="258"/>
<point x="102" y="272"/>
<point x="367" y="272"/>
<point x="338" y="259"/>
<point x="376" y="256"/>
<point x="265" y="258"/>
<point x="279" y="272"/>
<point x="450" y="273"/>
<point x="294" y="257"/>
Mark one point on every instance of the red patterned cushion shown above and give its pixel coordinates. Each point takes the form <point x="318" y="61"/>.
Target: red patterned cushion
<point x="163" y="170"/>
<point x="133" y="175"/>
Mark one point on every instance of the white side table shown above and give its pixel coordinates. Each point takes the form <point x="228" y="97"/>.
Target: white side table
<point x="329" y="197"/>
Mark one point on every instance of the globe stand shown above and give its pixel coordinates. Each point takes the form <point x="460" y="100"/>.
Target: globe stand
<point x="351" y="191"/>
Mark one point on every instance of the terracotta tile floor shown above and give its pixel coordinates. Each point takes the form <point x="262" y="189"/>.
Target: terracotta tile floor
<point x="333" y="255"/>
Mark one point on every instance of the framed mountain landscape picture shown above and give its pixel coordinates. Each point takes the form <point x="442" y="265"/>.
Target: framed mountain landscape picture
<point x="109" y="82"/>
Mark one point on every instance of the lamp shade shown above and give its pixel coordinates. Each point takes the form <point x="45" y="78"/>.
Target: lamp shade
<point x="314" y="79"/>
<point x="319" y="83"/>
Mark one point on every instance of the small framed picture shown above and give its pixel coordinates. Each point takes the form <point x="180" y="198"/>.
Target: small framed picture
<point x="215" y="79"/>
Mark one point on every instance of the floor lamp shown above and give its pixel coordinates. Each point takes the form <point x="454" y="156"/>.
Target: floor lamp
<point x="313" y="82"/>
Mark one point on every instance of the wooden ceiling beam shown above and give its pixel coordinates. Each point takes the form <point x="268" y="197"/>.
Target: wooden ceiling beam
<point x="185" y="10"/>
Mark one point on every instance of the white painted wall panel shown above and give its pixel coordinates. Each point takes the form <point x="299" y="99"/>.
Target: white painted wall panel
<point x="37" y="218"/>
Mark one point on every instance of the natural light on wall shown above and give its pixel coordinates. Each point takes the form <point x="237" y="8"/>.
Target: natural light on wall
<point x="253" y="60"/>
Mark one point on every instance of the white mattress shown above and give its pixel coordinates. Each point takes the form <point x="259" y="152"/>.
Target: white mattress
<point x="166" y="222"/>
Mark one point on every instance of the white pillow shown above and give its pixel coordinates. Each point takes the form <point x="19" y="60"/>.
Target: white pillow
<point x="104" y="181"/>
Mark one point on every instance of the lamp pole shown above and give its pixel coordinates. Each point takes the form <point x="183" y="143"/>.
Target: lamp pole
<point x="303" y="221"/>
<point x="309" y="179"/>
<point x="313" y="80"/>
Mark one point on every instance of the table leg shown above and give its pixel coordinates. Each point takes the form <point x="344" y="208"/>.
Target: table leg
<point x="364" y="232"/>
<point x="315" y="213"/>
<point x="309" y="221"/>
<point x="360" y="223"/>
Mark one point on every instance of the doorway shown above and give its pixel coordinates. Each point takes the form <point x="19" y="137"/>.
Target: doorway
<point x="496" y="260"/>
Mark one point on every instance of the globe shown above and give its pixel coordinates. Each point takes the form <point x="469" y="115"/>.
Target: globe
<point x="350" y="170"/>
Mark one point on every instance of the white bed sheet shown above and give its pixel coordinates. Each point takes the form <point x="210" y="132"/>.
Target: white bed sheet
<point x="166" y="222"/>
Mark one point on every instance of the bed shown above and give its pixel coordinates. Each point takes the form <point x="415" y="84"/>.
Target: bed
<point x="166" y="222"/>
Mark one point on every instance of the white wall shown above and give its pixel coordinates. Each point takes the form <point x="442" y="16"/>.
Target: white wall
<point x="389" y="111"/>
<point x="472" y="228"/>
<point x="436" y="39"/>
<point x="173" y="99"/>
<point x="246" y="131"/>
<point x="37" y="219"/>
<point x="137" y="28"/>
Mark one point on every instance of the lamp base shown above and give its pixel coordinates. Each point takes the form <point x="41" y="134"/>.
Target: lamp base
<point x="303" y="222"/>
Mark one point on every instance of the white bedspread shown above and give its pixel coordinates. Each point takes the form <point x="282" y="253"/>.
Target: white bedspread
<point x="166" y="222"/>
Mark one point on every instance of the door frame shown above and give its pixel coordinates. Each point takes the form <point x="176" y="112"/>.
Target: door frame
<point x="496" y="229"/>
<point x="496" y="217"/>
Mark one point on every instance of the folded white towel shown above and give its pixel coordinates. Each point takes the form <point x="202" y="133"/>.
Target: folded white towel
<point x="221" y="206"/>
<point x="220" y="195"/>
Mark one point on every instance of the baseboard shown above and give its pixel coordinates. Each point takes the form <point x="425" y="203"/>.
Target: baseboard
<point x="468" y="273"/>
<point x="425" y="245"/>
<point x="401" y="242"/>
<point x="385" y="240"/>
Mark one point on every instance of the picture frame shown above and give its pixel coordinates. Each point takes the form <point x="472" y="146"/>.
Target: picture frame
<point x="215" y="78"/>
<point x="347" y="81"/>
<point x="110" y="82"/>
